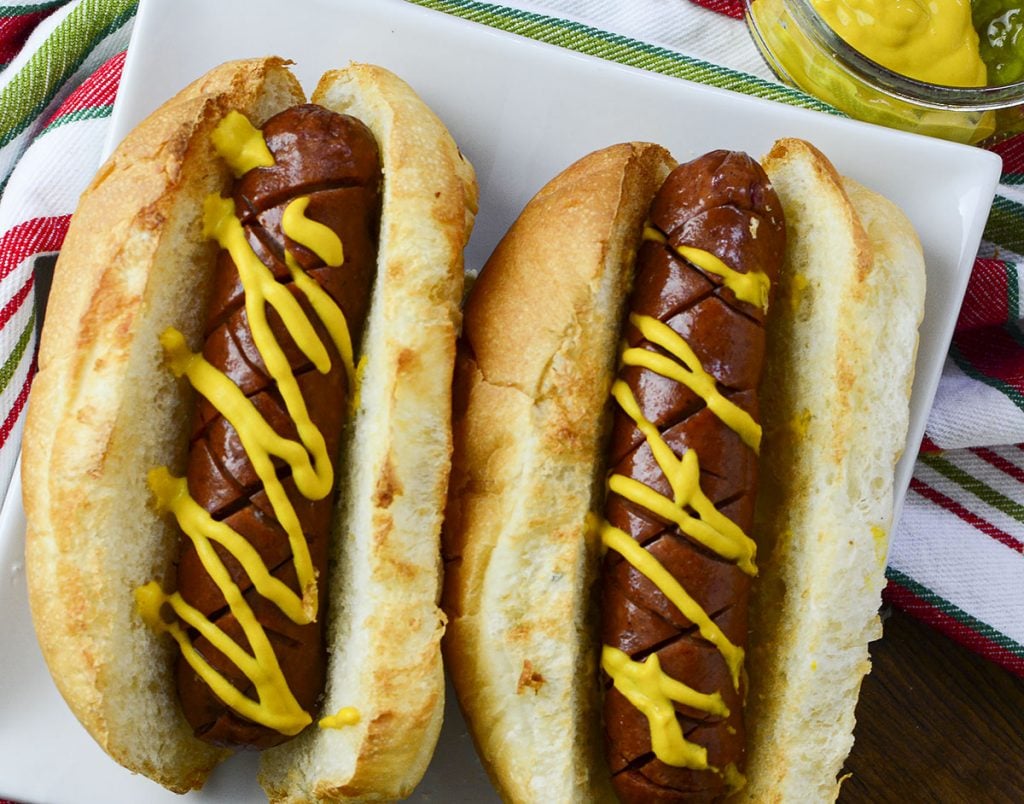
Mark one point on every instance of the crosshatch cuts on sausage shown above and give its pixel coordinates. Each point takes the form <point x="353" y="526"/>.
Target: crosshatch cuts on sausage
<point x="645" y="346"/>
<point x="687" y="338"/>
<point x="313" y="195"/>
<point x="237" y="446"/>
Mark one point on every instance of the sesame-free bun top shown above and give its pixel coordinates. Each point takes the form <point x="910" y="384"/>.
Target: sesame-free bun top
<point x="532" y="387"/>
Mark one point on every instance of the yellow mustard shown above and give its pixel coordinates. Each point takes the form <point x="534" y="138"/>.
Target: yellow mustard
<point x="171" y="494"/>
<point x="275" y="705"/>
<point x="686" y="369"/>
<point x="751" y="287"/>
<point x="319" y="239"/>
<point x="334" y="319"/>
<point x="653" y="692"/>
<point x="712" y="529"/>
<point x="240" y="144"/>
<point x="930" y="40"/>
<point x="346" y="716"/>
<point x="624" y="544"/>
<point x="733" y="778"/>
<point x="645" y="684"/>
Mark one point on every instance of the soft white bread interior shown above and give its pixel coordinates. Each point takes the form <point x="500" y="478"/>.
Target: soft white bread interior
<point x="384" y="624"/>
<point x="532" y="392"/>
<point x="104" y="410"/>
<point x="835" y="403"/>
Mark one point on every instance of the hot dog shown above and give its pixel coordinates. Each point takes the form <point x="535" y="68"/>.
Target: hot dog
<point x="328" y="166"/>
<point x="589" y="420"/>
<point x="249" y="353"/>
<point x="721" y="204"/>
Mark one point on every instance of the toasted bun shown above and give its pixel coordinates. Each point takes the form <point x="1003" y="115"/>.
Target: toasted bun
<point x="533" y="379"/>
<point x="104" y="410"/>
<point x="835" y="403"/>
<point x="532" y="385"/>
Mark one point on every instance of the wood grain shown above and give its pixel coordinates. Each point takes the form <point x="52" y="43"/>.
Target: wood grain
<point x="935" y="723"/>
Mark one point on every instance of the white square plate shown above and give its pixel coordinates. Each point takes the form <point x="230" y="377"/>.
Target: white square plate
<point x="521" y="111"/>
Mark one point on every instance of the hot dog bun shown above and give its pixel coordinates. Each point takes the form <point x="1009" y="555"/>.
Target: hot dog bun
<point x="836" y="413"/>
<point x="104" y="409"/>
<point x="521" y="536"/>
<point x="534" y="371"/>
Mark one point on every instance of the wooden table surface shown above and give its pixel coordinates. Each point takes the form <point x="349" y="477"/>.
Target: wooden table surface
<point x="935" y="723"/>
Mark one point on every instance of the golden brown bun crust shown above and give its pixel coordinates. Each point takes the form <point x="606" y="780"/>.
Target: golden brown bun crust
<point x="133" y="263"/>
<point x="532" y="383"/>
<point x="104" y="409"/>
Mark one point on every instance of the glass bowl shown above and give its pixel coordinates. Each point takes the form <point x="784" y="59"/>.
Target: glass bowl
<point x="804" y="51"/>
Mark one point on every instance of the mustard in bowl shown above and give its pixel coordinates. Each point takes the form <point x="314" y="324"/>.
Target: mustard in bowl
<point x="917" y="65"/>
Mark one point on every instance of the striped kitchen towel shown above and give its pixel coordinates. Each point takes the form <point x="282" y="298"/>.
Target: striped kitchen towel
<point x="957" y="560"/>
<point x="56" y="89"/>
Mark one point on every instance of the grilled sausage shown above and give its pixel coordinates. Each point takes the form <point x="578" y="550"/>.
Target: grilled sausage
<point x="332" y="160"/>
<point x="721" y="205"/>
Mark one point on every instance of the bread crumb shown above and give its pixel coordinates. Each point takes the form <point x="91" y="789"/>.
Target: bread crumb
<point x="529" y="678"/>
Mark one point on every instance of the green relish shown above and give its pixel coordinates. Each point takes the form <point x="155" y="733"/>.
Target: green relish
<point x="1000" y="27"/>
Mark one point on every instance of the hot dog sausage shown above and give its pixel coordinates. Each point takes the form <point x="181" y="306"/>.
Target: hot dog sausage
<point x="331" y="160"/>
<point x="690" y="439"/>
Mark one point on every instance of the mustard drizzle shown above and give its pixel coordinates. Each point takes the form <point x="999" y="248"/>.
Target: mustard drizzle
<point x="645" y="563"/>
<point x="645" y="684"/>
<point x="334" y="319"/>
<point x="752" y="287"/>
<point x="687" y="369"/>
<point x="713" y="529"/>
<point x="275" y="707"/>
<point x="652" y="691"/>
<point x="239" y="142"/>
<point x="346" y="716"/>
<point x="319" y="239"/>
<point x="171" y="494"/>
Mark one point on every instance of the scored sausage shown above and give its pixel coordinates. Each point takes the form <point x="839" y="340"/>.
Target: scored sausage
<point x="333" y="160"/>
<point x="721" y="204"/>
